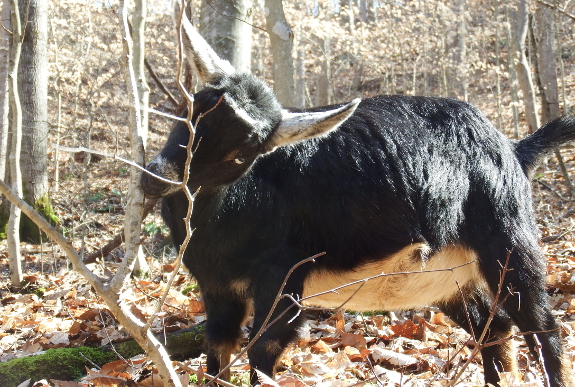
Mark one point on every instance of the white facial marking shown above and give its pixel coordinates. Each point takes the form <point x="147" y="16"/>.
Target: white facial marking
<point x="395" y="292"/>
<point x="243" y="114"/>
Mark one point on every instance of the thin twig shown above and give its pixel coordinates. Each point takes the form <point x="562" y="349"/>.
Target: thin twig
<point x="495" y="306"/>
<point x="540" y="359"/>
<point x="84" y="149"/>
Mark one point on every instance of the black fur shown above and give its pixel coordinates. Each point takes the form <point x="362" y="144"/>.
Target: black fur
<point x="401" y="170"/>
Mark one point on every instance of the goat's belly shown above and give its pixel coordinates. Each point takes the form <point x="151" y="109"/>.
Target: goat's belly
<point x="411" y="278"/>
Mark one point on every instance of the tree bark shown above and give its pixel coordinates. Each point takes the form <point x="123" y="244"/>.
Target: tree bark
<point x="133" y="45"/>
<point x="522" y="66"/>
<point x="324" y="92"/>
<point x="4" y="111"/>
<point x="4" y="99"/>
<point x="458" y="68"/>
<point x="281" y="39"/>
<point x="13" y="232"/>
<point x="546" y="63"/>
<point x="33" y="83"/>
<point x="224" y="25"/>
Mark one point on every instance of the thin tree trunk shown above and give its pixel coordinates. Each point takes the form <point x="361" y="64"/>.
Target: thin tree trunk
<point x="281" y="39"/>
<point x="522" y="66"/>
<point x="13" y="232"/>
<point x="546" y="63"/>
<point x="512" y="76"/>
<point x="498" y="68"/>
<point x="300" y="85"/>
<point x="33" y="83"/>
<point x="324" y="93"/>
<point x="138" y="89"/>
<point x="4" y="98"/>
<point x="459" y="73"/>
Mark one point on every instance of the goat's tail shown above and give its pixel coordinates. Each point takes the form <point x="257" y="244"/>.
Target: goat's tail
<point x="534" y="147"/>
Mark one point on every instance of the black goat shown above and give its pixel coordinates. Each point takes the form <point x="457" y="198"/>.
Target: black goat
<point x="383" y="185"/>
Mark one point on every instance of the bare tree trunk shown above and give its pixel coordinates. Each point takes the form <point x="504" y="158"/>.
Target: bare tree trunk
<point x="4" y="111"/>
<point x="224" y="25"/>
<point x="300" y="85"/>
<point x="281" y="39"/>
<point x="13" y="232"/>
<point x="324" y="92"/>
<point x="351" y="17"/>
<point x="512" y="76"/>
<point x="138" y="89"/>
<point x="33" y="83"/>
<point x="546" y="63"/>
<point x="522" y="66"/>
<point x="363" y="11"/>
<point x="498" y="68"/>
<point x="458" y="88"/>
<point x="4" y="99"/>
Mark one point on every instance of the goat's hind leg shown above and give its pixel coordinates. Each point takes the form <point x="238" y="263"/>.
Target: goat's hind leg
<point x="472" y="314"/>
<point x="526" y="302"/>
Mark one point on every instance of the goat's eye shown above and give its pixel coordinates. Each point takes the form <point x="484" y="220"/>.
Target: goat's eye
<point x="239" y="160"/>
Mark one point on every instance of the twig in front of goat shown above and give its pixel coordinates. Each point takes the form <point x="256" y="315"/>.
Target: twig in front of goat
<point x="129" y="162"/>
<point x="297" y="303"/>
<point x="495" y="306"/>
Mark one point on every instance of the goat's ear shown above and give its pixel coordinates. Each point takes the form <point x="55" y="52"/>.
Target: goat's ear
<point x="205" y="63"/>
<point x="300" y="126"/>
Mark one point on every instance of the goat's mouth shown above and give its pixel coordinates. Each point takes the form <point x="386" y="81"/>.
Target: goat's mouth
<point x="155" y="188"/>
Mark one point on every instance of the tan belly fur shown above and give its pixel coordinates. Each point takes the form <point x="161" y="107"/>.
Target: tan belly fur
<point x="423" y="286"/>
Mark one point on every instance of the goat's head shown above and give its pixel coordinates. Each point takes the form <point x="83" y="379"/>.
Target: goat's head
<point x="241" y="120"/>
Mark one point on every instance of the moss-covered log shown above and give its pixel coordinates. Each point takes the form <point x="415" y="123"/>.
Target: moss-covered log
<point x="71" y="363"/>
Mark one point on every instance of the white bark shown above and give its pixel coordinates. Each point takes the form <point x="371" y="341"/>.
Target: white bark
<point x="281" y="39"/>
<point x="4" y="99"/>
<point x="13" y="232"/>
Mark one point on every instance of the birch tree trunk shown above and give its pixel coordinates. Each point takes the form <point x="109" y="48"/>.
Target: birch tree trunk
<point x="13" y="232"/>
<point x="224" y="25"/>
<point x="33" y="83"/>
<point x="281" y="39"/>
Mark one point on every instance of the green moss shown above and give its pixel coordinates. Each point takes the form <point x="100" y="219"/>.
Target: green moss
<point x="29" y="230"/>
<point x="128" y="349"/>
<point x="4" y="216"/>
<point x="61" y="364"/>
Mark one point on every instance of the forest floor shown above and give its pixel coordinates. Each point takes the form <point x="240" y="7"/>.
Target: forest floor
<point x="409" y="348"/>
